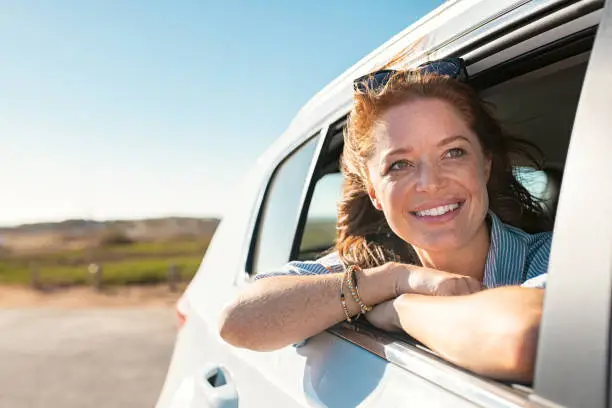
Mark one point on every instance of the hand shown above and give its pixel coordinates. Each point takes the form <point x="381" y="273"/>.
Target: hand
<point x="384" y="316"/>
<point x="428" y="281"/>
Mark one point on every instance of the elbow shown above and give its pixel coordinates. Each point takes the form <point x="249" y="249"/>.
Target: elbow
<point x="227" y="329"/>
<point x="236" y="328"/>
<point x="521" y="351"/>
<point x="231" y="328"/>
<point x="525" y="354"/>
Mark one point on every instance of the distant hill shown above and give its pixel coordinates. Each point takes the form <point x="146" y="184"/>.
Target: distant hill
<point x="85" y="233"/>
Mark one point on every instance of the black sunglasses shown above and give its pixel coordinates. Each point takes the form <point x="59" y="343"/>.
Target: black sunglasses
<point x="453" y="67"/>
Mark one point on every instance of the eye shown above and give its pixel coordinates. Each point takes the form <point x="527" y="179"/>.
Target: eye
<point x="399" y="165"/>
<point x="454" y="153"/>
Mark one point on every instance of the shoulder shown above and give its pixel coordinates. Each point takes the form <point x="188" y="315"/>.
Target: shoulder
<point x="536" y="259"/>
<point x="536" y="245"/>
<point x="330" y="263"/>
<point x="538" y="255"/>
<point x="535" y="248"/>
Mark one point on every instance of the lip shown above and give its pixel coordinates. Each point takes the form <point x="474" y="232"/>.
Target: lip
<point x="439" y="203"/>
<point x="439" y="219"/>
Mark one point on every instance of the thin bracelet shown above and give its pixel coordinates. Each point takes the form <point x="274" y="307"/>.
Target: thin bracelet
<point x="351" y="281"/>
<point x="365" y="308"/>
<point x="343" y="301"/>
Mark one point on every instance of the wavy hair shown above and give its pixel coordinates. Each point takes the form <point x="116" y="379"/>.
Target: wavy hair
<point x="364" y="237"/>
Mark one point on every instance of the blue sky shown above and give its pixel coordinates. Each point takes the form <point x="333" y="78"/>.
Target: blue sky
<point x="132" y="109"/>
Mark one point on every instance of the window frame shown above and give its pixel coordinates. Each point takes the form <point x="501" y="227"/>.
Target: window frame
<point x="330" y="131"/>
<point x="264" y="194"/>
<point x="416" y="359"/>
<point x="303" y="228"/>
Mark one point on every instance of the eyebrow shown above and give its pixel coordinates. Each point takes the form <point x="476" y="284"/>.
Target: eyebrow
<point x="399" y="150"/>
<point x="451" y="139"/>
<point x="443" y="142"/>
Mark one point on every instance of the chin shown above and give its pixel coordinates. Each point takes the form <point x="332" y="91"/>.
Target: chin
<point x="439" y="243"/>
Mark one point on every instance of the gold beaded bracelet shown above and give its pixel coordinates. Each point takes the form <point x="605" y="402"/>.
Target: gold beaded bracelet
<point x="351" y="282"/>
<point x="343" y="301"/>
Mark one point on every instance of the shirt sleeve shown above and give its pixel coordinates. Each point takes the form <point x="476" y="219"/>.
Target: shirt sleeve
<point x="328" y="264"/>
<point x="537" y="269"/>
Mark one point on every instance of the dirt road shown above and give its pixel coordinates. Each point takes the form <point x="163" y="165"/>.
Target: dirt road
<point x="80" y="297"/>
<point x="71" y="357"/>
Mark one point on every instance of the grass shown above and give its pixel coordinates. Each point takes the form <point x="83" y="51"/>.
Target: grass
<point x="319" y="235"/>
<point x="135" y="263"/>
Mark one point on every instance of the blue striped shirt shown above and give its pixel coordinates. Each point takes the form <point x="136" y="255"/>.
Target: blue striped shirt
<point x="515" y="258"/>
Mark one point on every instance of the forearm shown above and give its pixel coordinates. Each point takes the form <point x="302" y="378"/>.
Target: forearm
<point x="493" y="333"/>
<point x="276" y="311"/>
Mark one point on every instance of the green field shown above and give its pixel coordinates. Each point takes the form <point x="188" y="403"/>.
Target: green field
<point x="131" y="263"/>
<point x="125" y="262"/>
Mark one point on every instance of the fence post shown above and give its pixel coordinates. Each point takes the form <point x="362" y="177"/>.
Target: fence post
<point x="173" y="277"/>
<point x="34" y="276"/>
<point x="96" y="276"/>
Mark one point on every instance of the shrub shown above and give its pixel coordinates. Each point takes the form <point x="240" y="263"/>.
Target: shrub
<point x="115" y="237"/>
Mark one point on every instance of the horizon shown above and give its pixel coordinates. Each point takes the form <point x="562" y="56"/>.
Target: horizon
<point x="123" y="111"/>
<point x="110" y="221"/>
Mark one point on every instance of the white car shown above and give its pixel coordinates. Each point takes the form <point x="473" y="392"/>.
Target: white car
<point x="547" y="67"/>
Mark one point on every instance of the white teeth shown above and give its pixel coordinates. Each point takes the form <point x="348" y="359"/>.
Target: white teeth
<point x="437" y="211"/>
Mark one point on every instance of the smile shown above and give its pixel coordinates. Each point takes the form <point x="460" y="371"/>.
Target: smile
<point x="438" y="211"/>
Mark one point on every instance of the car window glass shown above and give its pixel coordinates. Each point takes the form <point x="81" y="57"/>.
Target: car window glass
<point x="320" y="228"/>
<point x="535" y="181"/>
<point x="280" y="210"/>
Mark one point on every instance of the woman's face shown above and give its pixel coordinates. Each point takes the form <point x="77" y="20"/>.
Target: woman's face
<point x="428" y="175"/>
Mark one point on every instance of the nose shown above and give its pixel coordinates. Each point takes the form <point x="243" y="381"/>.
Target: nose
<point x="428" y="177"/>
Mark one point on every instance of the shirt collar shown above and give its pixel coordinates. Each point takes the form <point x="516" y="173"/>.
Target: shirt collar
<point x="506" y="257"/>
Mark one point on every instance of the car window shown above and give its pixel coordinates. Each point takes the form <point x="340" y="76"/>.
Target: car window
<point x="320" y="227"/>
<point x="280" y="210"/>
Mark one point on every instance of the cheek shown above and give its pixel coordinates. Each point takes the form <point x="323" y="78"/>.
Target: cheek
<point x="476" y="183"/>
<point x="396" y="196"/>
<point x="473" y="177"/>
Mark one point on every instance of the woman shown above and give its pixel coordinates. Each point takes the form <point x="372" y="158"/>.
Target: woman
<point x="431" y="216"/>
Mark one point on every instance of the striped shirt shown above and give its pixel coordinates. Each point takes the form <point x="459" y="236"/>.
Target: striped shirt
<point x="515" y="258"/>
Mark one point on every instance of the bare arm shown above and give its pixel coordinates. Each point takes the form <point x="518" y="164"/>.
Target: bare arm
<point x="277" y="311"/>
<point x="492" y="333"/>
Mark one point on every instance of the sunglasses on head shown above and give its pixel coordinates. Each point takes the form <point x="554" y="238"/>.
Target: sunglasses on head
<point x="453" y="67"/>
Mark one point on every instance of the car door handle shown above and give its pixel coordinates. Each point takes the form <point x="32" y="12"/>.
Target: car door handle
<point x="216" y="387"/>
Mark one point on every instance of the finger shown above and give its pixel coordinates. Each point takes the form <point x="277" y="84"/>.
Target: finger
<point x="468" y="286"/>
<point x="475" y="286"/>
<point x="472" y="286"/>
